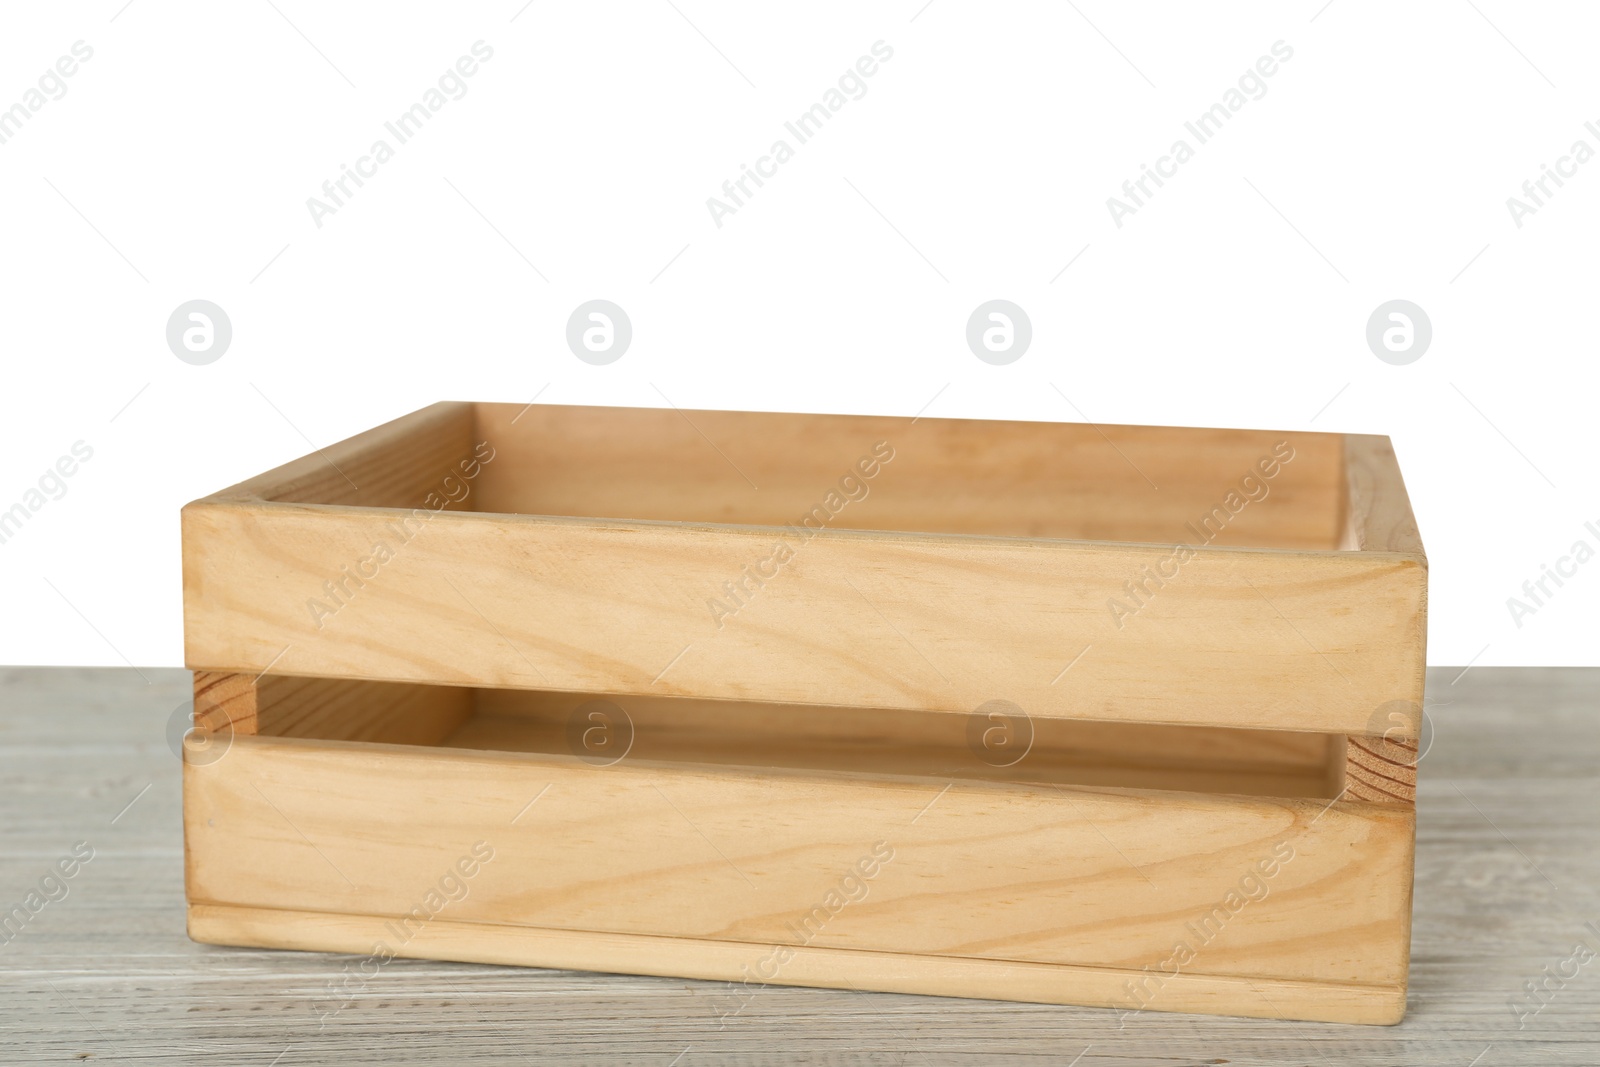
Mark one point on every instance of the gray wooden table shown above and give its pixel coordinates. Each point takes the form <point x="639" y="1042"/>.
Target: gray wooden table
<point x="1507" y="876"/>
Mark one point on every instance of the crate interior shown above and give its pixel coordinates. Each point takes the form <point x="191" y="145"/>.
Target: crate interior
<point x="1239" y="488"/>
<point x="602" y="730"/>
<point x="1014" y="479"/>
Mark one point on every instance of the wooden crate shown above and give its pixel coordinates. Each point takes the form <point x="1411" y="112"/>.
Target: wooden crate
<point x="1119" y="716"/>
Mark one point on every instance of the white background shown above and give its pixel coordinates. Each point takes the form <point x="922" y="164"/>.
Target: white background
<point x="1377" y="166"/>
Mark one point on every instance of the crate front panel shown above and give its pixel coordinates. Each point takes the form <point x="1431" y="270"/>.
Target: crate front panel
<point x="1316" y="641"/>
<point x="1259" y="888"/>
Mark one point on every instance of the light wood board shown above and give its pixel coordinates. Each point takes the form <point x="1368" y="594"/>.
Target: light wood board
<point x="1316" y="893"/>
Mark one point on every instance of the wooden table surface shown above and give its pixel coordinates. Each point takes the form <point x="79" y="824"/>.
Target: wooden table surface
<point x="1508" y="873"/>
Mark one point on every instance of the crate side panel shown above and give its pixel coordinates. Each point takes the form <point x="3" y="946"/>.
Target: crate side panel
<point x="750" y="967"/>
<point x="1222" y="885"/>
<point x="1221" y="637"/>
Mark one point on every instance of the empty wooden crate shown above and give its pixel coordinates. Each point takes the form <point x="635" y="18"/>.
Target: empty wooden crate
<point x="1118" y="716"/>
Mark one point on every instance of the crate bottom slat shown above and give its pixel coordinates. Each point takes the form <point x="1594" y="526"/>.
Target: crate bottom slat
<point x="825" y="968"/>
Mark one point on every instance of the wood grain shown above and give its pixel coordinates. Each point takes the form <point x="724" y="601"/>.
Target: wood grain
<point x="331" y="709"/>
<point x="1378" y="516"/>
<point x="730" y="961"/>
<point x="959" y="476"/>
<point x="1242" y="638"/>
<point x="225" y="702"/>
<point x="1262" y="888"/>
<point x="1381" y="771"/>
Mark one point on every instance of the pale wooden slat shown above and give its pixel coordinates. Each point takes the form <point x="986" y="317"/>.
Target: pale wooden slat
<point x="1099" y="878"/>
<point x="1243" y="638"/>
<point x="968" y="476"/>
<point x="728" y="961"/>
